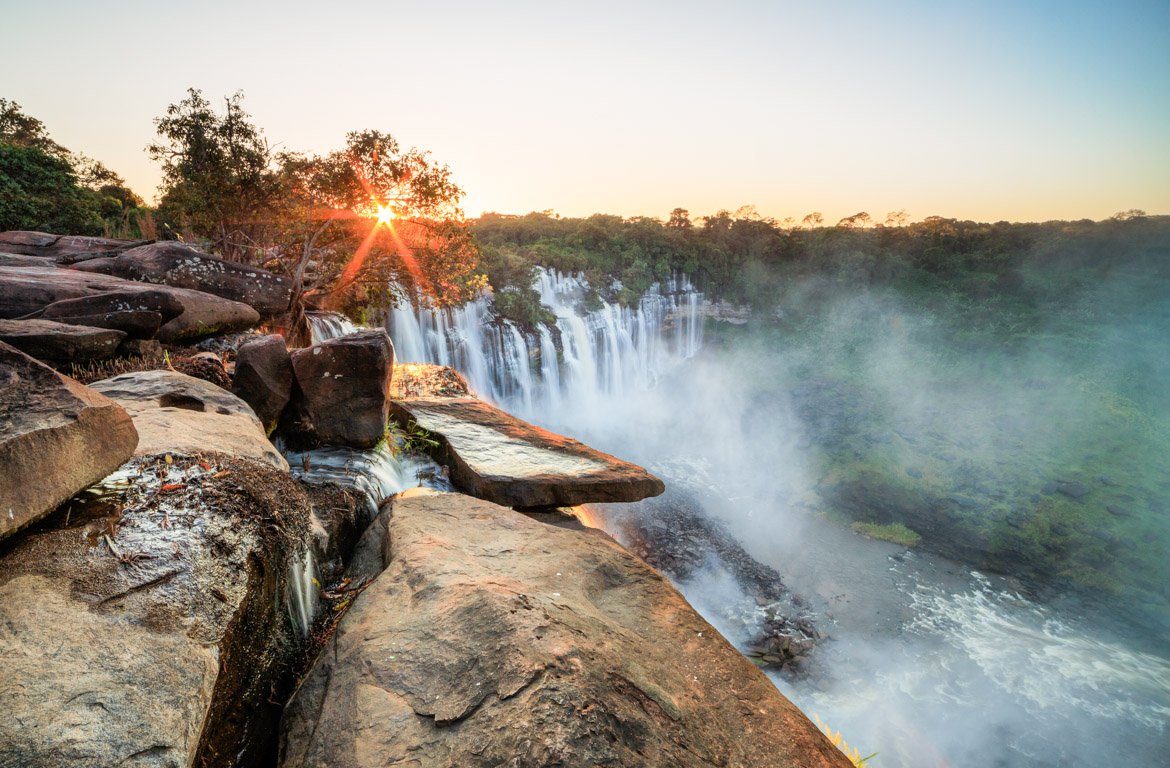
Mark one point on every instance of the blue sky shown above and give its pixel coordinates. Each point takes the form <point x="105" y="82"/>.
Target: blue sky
<point x="994" y="110"/>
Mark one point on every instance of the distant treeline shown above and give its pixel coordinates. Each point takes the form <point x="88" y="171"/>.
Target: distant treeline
<point x="751" y="260"/>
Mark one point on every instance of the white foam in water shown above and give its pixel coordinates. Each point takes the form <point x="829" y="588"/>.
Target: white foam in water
<point x="376" y="473"/>
<point x="1028" y="652"/>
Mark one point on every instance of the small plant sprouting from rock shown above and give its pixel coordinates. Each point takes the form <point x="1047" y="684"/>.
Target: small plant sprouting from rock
<point x="839" y="742"/>
<point x="411" y="439"/>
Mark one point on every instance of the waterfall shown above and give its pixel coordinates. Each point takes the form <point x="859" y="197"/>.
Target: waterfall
<point x="583" y="359"/>
<point x="328" y="325"/>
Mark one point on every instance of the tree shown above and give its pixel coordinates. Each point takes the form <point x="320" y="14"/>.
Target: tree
<point x="814" y="219"/>
<point x="218" y="177"/>
<point x="373" y="212"/>
<point x="680" y="218"/>
<point x="856" y="221"/>
<point x="897" y="218"/>
<point x="44" y="186"/>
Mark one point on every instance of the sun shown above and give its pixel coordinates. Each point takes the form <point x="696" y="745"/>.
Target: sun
<point x="384" y="214"/>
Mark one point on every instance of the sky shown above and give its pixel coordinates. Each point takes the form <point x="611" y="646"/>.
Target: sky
<point x="997" y="110"/>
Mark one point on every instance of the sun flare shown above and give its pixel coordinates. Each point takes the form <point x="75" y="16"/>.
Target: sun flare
<point x="384" y="214"/>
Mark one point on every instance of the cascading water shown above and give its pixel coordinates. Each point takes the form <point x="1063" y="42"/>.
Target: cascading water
<point x="328" y="325"/>
<point x="375" y="474"/>
<point x="584" y="359"/>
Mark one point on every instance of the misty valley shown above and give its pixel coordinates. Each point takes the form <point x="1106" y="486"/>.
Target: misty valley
<point x="960" y="475"/>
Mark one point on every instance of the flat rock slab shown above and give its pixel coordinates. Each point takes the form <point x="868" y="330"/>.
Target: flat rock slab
<point x="493" y="639"/>
<point x="495" y="456"/>
<point x="61" y="343"/>
<point x="176" y="413"/>
<point x="57" y="437"/>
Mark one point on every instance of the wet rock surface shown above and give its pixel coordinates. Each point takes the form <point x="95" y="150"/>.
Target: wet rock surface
<point x="494" y="639"/>
<point x="776" y="628"/>
<point x="60" y="343"/>
<point x="495" y="456"/>
<point x="177" y="413"/>
<point x="143" y="624"/>
<point x="181" y="266"/>
<point x="56" y="438"/>
<point x="264" y="376"/>
<point x="344" y="387"/>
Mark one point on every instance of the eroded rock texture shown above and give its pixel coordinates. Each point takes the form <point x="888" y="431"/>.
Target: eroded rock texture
<point x="494" y="639"/>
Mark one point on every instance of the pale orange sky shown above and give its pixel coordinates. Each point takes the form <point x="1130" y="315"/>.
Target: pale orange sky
<point x="984" y="111"/>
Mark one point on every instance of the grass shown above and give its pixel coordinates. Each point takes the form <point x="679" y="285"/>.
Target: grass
<point x="895" y="533"/>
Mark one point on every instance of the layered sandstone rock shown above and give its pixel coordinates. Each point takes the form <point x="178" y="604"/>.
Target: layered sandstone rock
<point x="181" y="266"/>
<point x="60" y="343"/>
<point x="495" y="456"/>
<point x="27" y="290"/>
<point x="146" y="626"/>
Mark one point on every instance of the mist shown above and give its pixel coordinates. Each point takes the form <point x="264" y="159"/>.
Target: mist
<point x="1028" y="449"/>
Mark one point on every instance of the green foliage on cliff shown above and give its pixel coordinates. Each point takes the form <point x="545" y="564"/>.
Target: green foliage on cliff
<point x="45" y="187"/>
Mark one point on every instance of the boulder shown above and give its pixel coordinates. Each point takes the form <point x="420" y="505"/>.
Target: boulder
<point x="264" y="376"/>
<point x="63" y="249"/>
<point x="495" y="456"/>
<point x="344" y="386"/>
<point x="206" y="315"/>
<point x="60" y="343"/>
<point x="175" y="413"/>
<point x="181" y="266"/>
<point x="26" y="290"/>
<point x="493" y="639"/>
<point x="138" y="313"/>
<point x="146" y="626"/>
<point x="56" y="438"/>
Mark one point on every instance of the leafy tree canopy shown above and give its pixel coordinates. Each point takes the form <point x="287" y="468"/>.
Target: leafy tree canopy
<point x="44" y="186"/>
<point x="351" y="222"/>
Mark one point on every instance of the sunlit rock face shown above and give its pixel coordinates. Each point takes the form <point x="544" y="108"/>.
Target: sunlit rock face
<point x="177" y="413"/>
<point x="56" y="438"/>
<point x="495" y="456"/>
<point x="494" y="639"/>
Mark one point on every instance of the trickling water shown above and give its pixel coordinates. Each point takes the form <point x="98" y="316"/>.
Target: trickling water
<point x="376" y="473"/>
<point x="303" y="591"/>
<point x="583" y="359"/>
